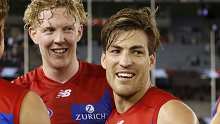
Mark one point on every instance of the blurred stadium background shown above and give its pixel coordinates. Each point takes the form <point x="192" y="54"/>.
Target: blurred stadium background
<point x="184" y="66"/>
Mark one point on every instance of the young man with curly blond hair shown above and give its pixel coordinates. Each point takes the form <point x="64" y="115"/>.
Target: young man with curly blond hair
<point x="73" y="91"/>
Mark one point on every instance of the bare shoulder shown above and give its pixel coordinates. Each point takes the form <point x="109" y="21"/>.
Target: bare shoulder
<point x="33" y="110"/>
<point x="176" y="112"/>
<point x="216" y="118"/>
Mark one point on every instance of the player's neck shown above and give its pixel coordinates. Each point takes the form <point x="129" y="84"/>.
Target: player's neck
<point x="61" y="75"/>
<point x="123" y="103"/>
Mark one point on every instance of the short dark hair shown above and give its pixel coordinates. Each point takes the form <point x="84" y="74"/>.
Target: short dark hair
<point x="128" y="19"/>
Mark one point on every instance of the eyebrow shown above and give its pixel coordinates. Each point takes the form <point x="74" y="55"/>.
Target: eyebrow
<point x="137" y="47"/>
<point x="69" y="26"/>
<point x="132" y="48"/>
<point x="115" y="46"/>
<point x="51" y="26"/>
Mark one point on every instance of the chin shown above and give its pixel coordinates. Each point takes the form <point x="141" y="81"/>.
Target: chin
<point x="59" y="65"/>
<point x="124" y="93"/>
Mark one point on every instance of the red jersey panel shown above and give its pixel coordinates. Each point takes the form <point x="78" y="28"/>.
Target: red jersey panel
<point x="10" y="102"/>
<point x="86" y="98"/>
<point x="145" y="111"/>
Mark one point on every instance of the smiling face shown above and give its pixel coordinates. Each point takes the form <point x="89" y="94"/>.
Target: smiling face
<point x="57" y="37"/>
<point x="128" y="63"/>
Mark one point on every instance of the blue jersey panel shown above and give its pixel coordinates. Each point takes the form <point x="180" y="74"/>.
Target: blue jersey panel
<point x="6" y="118"/>
<point x="93" y="113"/>
<point x="216" y="104"/>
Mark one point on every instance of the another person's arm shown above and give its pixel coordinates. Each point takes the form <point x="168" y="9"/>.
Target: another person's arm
<point x="33" y="110"/>
<point x="216" y="118"/>
<point x="176" y="112"/>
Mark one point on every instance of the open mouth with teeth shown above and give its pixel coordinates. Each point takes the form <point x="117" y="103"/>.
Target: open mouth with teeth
<point x="59" y="51"/>
<point x="125" y="75"/>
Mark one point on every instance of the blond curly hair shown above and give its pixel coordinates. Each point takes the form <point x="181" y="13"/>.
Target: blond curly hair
<point x="127" y="20"/>
<point x="32" y="13"/>
<point x="3" y="11"/>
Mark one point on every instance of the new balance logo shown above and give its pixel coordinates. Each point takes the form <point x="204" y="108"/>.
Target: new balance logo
<point x="120" y="122"/>
<point x="64" y="93"/>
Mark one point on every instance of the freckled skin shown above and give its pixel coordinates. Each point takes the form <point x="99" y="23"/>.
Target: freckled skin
<point x="59" y="32"/>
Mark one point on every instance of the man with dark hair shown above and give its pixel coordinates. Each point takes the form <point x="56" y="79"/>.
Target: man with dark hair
<point x="130" y="39"/>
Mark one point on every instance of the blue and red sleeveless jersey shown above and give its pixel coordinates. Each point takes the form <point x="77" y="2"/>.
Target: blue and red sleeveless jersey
<point x="11" y="97"/>
<point x="86" y="98"/>
<point x="145" y="111"/>
<point x="216" y="106"/>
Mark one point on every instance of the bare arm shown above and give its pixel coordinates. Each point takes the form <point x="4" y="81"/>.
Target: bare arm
<point x="216" y="118"/>
<point x="33" y="110"/>
<point x="176" y="112"/>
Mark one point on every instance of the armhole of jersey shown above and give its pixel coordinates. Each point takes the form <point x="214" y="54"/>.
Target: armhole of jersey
<point x="159" y="107"/>
<point x="17" y="104"/>
<point x="216" y="107"/>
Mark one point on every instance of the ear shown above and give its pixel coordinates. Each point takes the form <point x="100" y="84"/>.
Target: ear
<point x="152" y="61"/>
<point x="80" y="32"/>
<point x="1" y="35"/>
<point x="103" y="60"/>
<point x="32" y="33"/>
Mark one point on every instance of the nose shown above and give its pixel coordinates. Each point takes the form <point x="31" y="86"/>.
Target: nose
<point x="125" y="60"/>
<point x="59" y="37"/>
